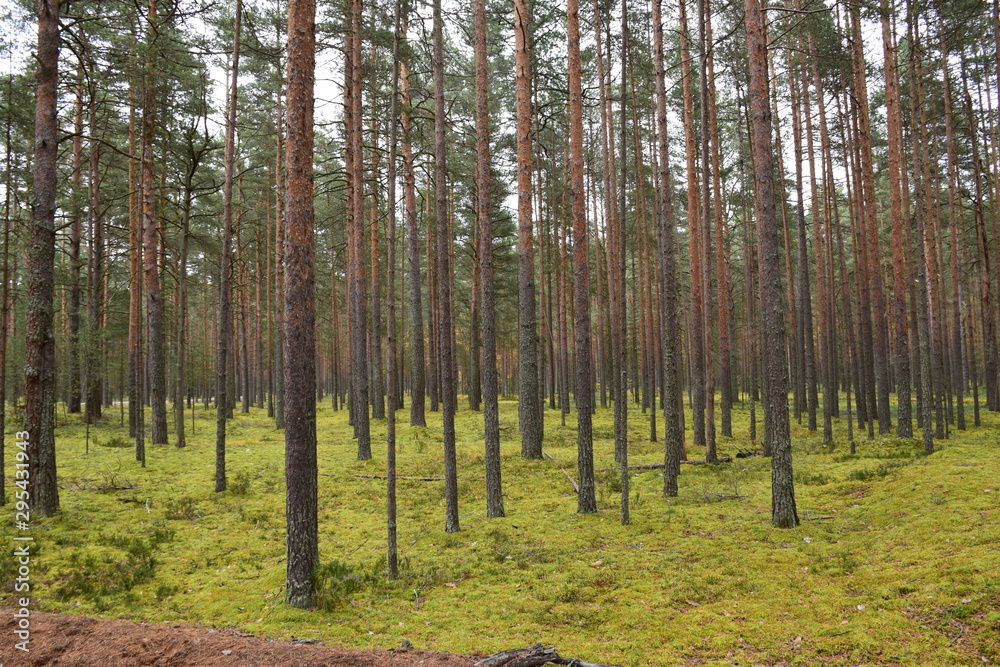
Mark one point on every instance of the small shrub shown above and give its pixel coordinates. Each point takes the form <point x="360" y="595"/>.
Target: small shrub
<point x="164" y="591"/>
<point x="812" y="478"/>
<point x="336" y="582"/>
<point x="240" y="486"/>
<point x="610" y="479"/>
<point x="115" y="441"/>
<point x="876" y="473"/>
<point x="182" y="508"/>
<point x="103" y="579"/>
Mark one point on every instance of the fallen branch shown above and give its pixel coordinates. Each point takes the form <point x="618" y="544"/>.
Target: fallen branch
<point x="659" y="466"/>
<point x="418" y="479"/>
<point x="568" y="476"/>
<point x="532" y="656"/>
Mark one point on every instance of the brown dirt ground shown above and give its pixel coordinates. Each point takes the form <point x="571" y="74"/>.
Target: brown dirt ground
<point x="58" y="639"/>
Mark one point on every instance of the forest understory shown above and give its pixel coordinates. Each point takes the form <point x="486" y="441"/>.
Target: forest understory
<point x="894" y="563"/>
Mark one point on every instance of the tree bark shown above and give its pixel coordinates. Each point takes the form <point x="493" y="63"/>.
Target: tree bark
<point x="151" y="240"/>
<point x="226" y="261"/>
<point x="449" y="401"/>
<point x="300" y="344"/>
<point x="40" y="349"/>
<point x="783" y="512"/>
<point x="904" y="427"/>
<point x="417" y="382"/>
<point x="491" y="409"/>
<point x="356" y="241"/>
<point x="392" y="558"/>
<point x="529" y="394"/>
<point x="586" y="500"/>
<point x="665" y="242"/>
<point x="75" y="239"/>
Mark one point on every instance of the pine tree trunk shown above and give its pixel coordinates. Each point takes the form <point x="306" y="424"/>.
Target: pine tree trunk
<point x="586" y="500"/>
<point x="783" y="513"/>
<point x="136" y="372"/>
<point x="491" y="410"/>
<point x="300" y="344"/>
<point x="75" y="238"/>
<point x="40" y="348"/>
<point x="95" y="270"/>
<point x="5" y="300"/>
<point x="226" y="262"/>
<point x="881" y="342"/>
<point x="392" y="558"/>
<point x="449" y="401"/>
<point x="904" y="428"/>
<point x="356" y="242"/>
<point x="417" y="382"/>
<point x="150" y="242"/>
<point x="529" y="391"/>
<point x="666" y="243"/>
<point x="957" y="379"/>
<point x="377" y="390"/>
<point x="695" y="236"/>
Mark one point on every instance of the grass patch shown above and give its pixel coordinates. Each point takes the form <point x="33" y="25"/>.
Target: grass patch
<point x="895" y="553"/>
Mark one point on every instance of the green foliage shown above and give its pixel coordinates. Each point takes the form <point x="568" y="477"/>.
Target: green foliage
<point x="337" y="582"/>
<point x="107" y="577"/>
<point x="241" y="483"/>
<point x="115" y="441"/>
<point x="876" y="473"/>
<point x="184" y="507"/>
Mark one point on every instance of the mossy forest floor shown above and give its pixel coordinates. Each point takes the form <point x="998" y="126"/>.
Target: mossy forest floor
<point x="897" y="560"/>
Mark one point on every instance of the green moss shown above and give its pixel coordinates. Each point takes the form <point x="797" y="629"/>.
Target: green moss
<point x="893" y="552"/>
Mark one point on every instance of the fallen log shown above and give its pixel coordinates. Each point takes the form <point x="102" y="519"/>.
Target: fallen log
<point x="418" y="479"/>
<point x="659" y="466"/>
<point x="748" y="453"/>
<point x="532" y="656"/>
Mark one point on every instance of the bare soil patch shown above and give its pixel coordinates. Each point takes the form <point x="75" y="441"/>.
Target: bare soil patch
<point x="58" y="639"/>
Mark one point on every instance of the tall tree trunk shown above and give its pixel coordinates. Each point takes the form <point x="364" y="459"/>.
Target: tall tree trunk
<point x="449" y="401"/>
<point x="783" y="512"/>
<point x="5" y="296"/>
<point x="957" y="379"/>
<point x="356" y="241"/>
<point x="904" y="427"/>
<point x="279" y="271"/>
<point x="881" y="342"/>
<point x="151" y="240"/>
<point x="95" y="270"/>
<point x="182" y="304"/>
<point x="75" y="239"/>
<point x="377" y="390"/>
<point x="666" y="248"/>
<point x="586" y="500"/>
<point x="616" y="283"/>
<point x="226" y="262"/>
<point x="529" y="392"/>
<point x="392" y="559"/>
<point x="491" y="409"/>
<point x="417" y="383"/>
<point x="721" y="249"/>
<point x="705" y="219"/>
<point x="300" y="343"/>
<point x="925" y="292"/>
<point x="804" y="344"/>
<point x="136" y="385"/>
<point x="40" y="348"/>
<point x="695" y="237"/>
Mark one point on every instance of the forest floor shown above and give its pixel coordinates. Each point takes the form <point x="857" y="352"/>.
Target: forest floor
<point x="74" y="641"/>
<point x="897" y="560"/>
